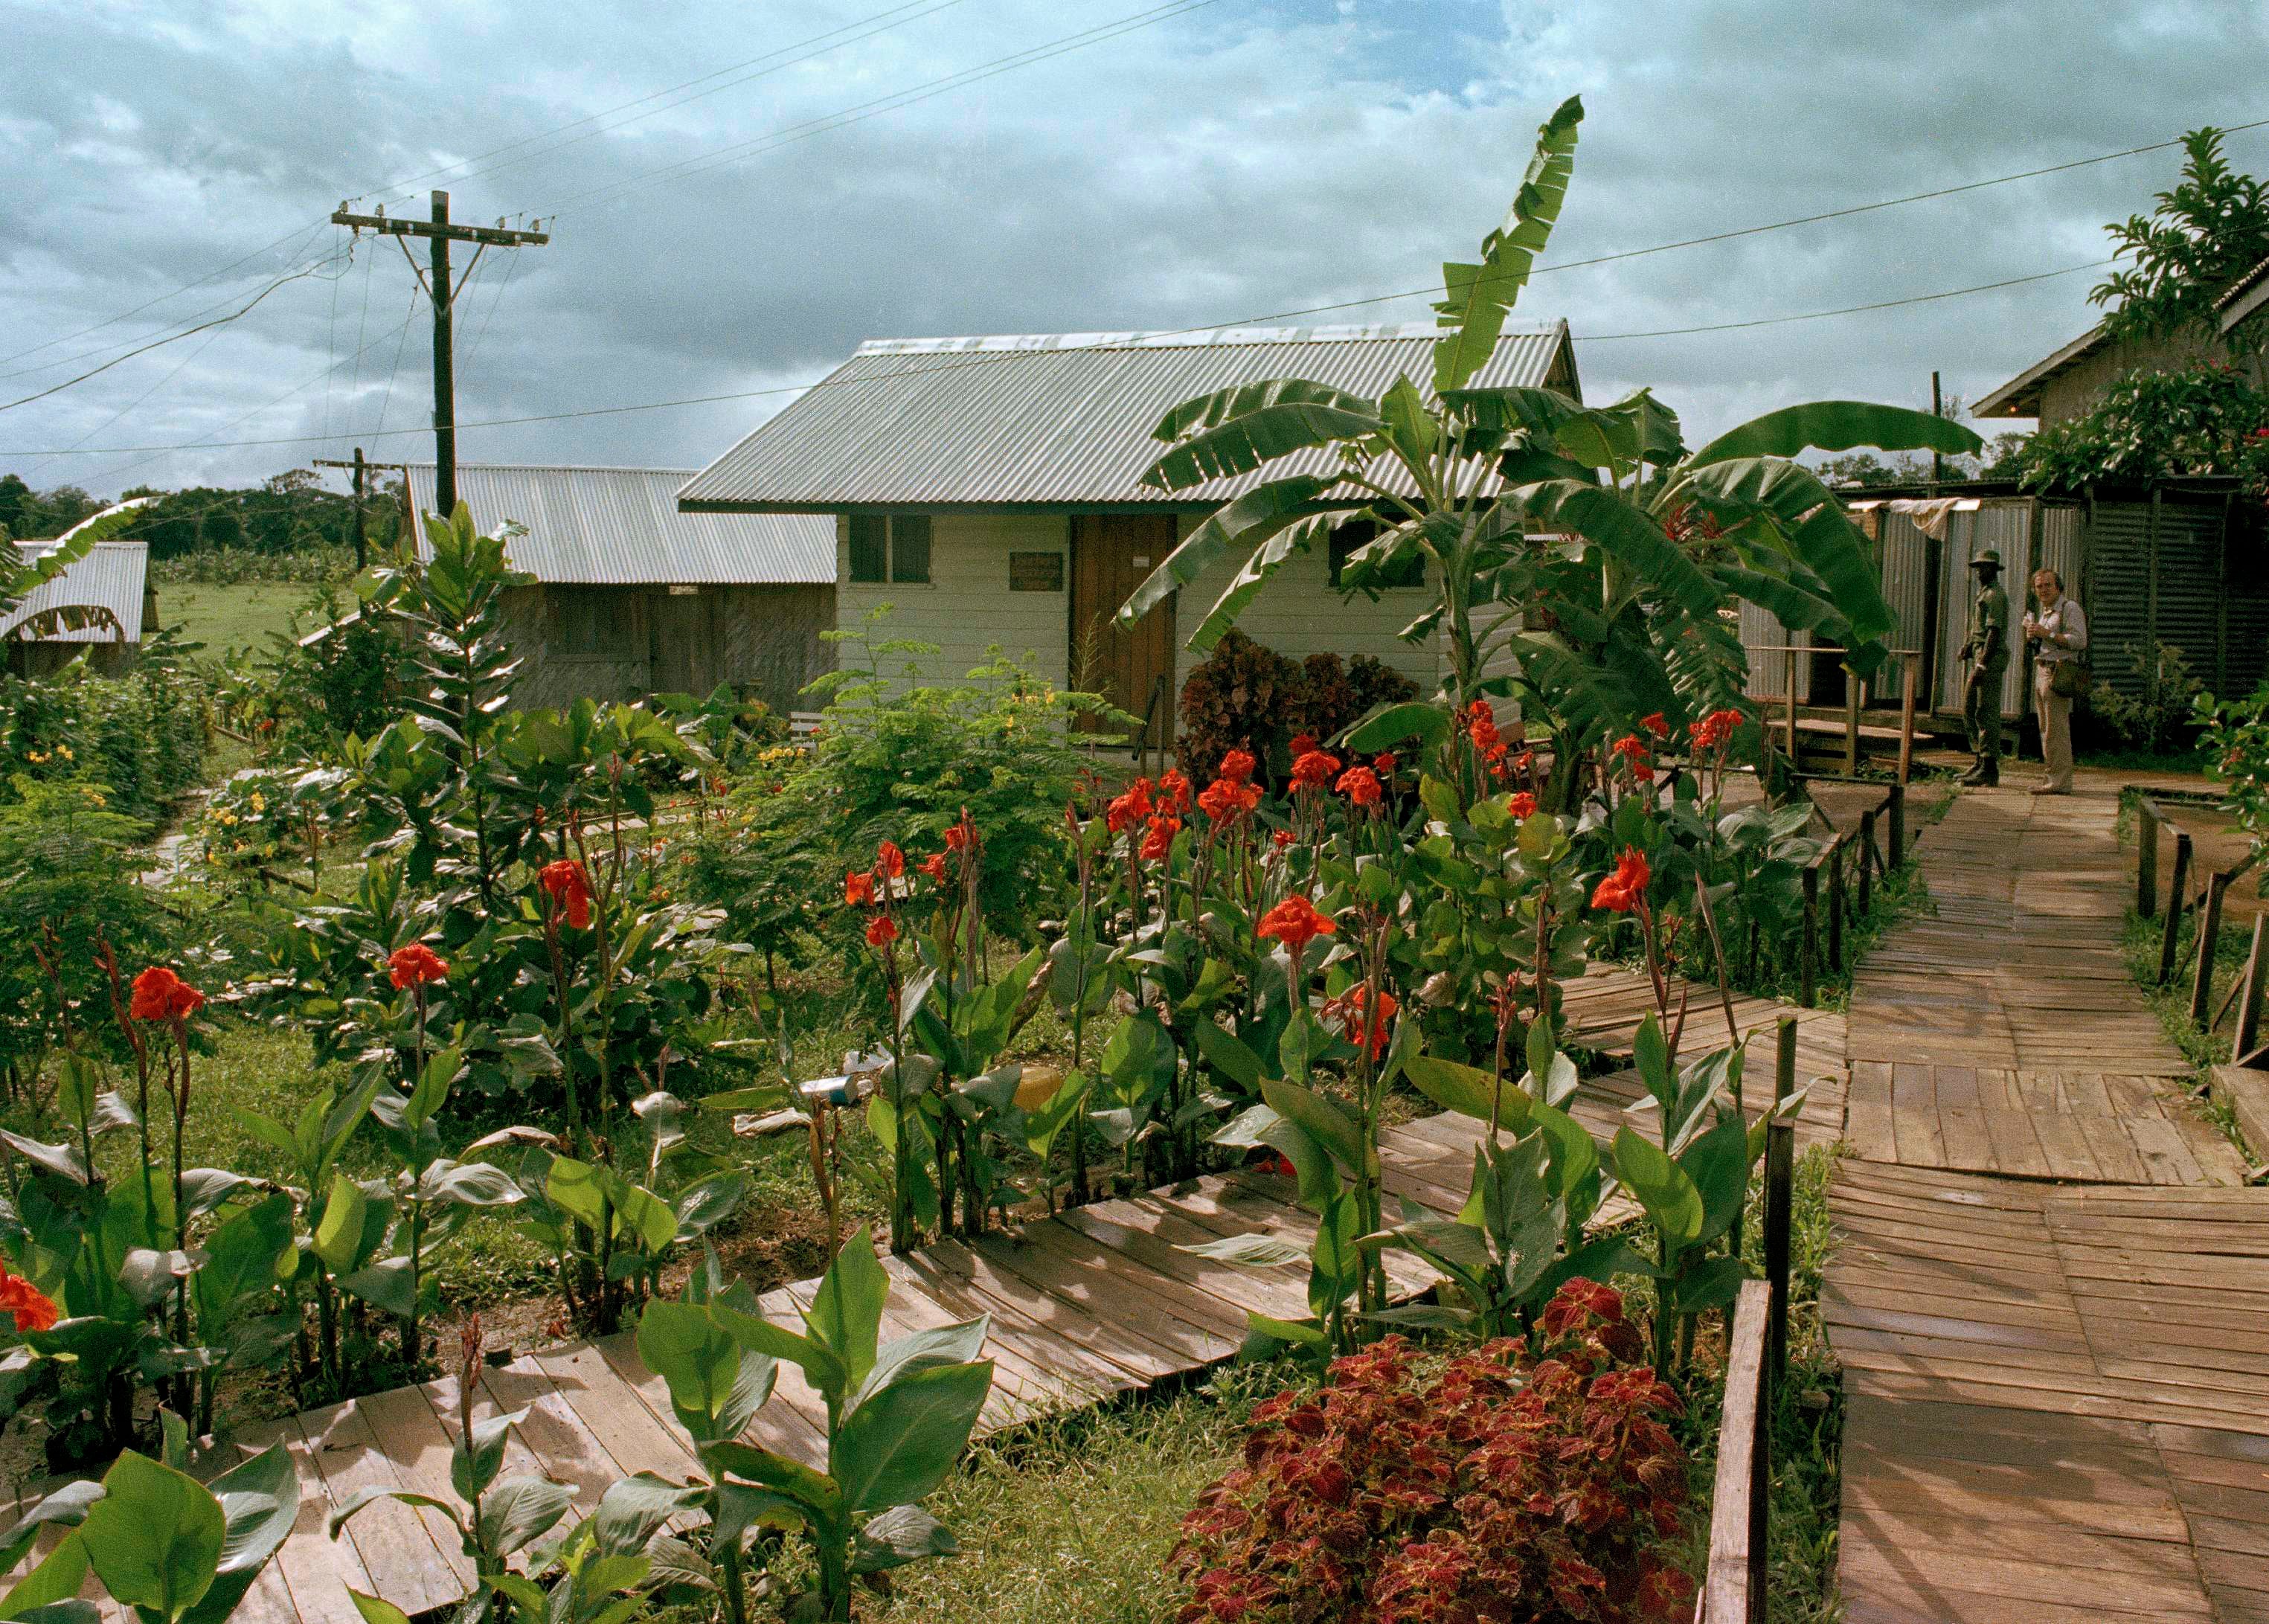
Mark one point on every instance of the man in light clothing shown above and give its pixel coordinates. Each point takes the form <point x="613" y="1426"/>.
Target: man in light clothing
<point x="2058" y="632"/>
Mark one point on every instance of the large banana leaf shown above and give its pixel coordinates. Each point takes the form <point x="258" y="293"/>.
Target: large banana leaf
<point x="1238" y="430"/>
<point x="1838" y="425"/>
<point x="1251" y="519"/>
<point x="1521" y="408"/>
<point x="20" y="579"/>
<point x="1811" y="517"/>
<point x="1627" y="533"/>
<point x="1271" y="556"/>
<point x="1480" y="296"/>
<point x="1584" y="696"/>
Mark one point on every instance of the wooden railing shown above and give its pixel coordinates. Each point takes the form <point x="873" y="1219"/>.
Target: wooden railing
<point x="1907" y="659"/>
<point x="2245" y="994"/>
<point x="1734" y="1588"/>
<point x="1868" y="860"/>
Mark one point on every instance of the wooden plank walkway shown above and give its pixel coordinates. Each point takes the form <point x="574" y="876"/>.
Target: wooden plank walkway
<point x="2048" y="1295"/>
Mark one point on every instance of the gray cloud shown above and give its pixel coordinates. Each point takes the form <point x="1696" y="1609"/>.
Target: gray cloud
<point x="1239" y="160"/>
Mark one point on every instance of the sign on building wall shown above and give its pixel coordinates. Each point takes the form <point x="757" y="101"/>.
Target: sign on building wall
<point x="1036" y="572"/>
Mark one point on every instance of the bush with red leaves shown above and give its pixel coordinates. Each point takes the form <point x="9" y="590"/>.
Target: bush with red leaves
<point x="1512" y="1486"/>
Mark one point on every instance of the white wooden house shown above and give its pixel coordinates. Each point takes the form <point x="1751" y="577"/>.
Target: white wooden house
<point x="989" y="489"/>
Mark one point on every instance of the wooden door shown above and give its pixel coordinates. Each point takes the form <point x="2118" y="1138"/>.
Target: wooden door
<point x="677" y="624"/>
<point x="1112" y="555"/>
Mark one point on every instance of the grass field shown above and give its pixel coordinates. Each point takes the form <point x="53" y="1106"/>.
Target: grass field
<point x="233" y="616"/>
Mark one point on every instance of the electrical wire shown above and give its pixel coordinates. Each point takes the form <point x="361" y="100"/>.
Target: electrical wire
<point x="916" y="7"/>
<point x="789" y="134"/>
<point x="511" y="264"/>
<point x="989" y="358"/>
<point x="172" y="338"/>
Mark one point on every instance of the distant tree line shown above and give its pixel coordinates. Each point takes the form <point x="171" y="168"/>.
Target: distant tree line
<point x="287" y="514"/>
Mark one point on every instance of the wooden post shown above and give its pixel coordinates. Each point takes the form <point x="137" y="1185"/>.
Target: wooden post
<point x="2248" y="996"/>
<point x="362" y="544"/>
<point x="1850" y="723"/>
<point x="1785" y="1060"/>
<point x="1896" y="800"/>
<point x="1795" y="762"/>
<point x="1808" y="974"/>
<point x="1836" y="849"/>
<point x="1733" y="1591"/>
<point x="1780" y="1200"/>
<point x="1866" y="860"/>
<point x="2146" y="857"/>
<point x="2175" y="905"/>
<point x="1907" y="717"/>
<point x="2209" y="937"/>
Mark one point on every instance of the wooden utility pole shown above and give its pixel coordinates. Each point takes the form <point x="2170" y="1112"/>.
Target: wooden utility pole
<point x="442" y="292"/>
<point x="1937" y="409"/>
<point x="362" y="471"/>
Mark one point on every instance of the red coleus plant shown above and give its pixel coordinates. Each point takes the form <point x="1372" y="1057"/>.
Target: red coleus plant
<point x="1510" y="1483"/>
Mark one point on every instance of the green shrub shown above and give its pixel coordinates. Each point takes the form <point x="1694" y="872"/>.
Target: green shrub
<point x="2156" y="720"/>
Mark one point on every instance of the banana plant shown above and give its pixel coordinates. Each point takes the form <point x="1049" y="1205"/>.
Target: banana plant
<point x="173" y="1550"/>
<point x="898" y="1417"/>
<point x="1622" y="610"/>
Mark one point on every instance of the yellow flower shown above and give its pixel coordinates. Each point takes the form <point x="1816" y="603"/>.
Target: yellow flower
<point x="64" y="750"/>
<point x="228" y="817"/>
<point x="259" y="801"/>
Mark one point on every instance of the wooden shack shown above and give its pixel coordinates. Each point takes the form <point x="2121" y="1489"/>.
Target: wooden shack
<point x="2181" y="563"/>
<point x="113" y="577"/>
<point x="633" y="597"/>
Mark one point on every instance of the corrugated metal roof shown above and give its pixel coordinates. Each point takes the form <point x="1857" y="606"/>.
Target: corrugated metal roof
<point x="111" y="576"/>
<point x="1060" y="419"/>
<point x="621" y="526"/>
<point x="2021" y="396"/>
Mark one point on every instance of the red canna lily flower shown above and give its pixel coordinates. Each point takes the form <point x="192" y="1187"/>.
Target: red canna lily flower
<point x="934" y="865"/>
<point x="1174" y="796"/>
<point x="570" y="890"/>
<point x="1313" y="769"/>
<point x="1129" y="808"/>
<point x="1303" y="744"/>
<point x="882" y="930"/>
<point x="1158" y="839"/>
<point x="858" y="890"/>
<point x="1296" y="923"/>
<point x="1481" y="725"/>
<point x="1237" y="766"/>
<point x="161" y="995"/>
<point x="1521" y="804"/>
<point x="1655" y="725"/>
<point x="1361" y="786"/>
<point x="890" y="862"/>
<point x="1225" y="799"/>
<point x="956" y="838"/>
<point x="415" y="965"/>
<point x="1384" y="764"/>
<point x="1626" y="888"/>
<point x="1350" y="1010"/>
<point x="1281" y="837"/>
<point x="33" y="1309"/>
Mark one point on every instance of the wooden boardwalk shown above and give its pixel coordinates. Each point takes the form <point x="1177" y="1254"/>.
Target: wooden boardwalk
<point x="2050" y="1285"/>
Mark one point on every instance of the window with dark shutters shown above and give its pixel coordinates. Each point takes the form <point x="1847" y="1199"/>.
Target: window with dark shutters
<point x="910" y="548"/>
<point x="869" y="548"/>
<point x="895" y="549"/>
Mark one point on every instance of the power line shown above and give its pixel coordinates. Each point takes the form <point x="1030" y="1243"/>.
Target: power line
<point x="789" y="134"/>
<point x="1847" y="310"/>
<point x="897" y="20"/>
<point x="995" y="357"/>
<point x="157" y="342"/>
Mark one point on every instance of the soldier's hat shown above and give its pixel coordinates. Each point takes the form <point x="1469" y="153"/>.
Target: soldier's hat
<point x="1990" y="559"/>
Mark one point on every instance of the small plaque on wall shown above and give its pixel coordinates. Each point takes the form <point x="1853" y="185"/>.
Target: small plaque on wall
<point x="1036" y="572"/>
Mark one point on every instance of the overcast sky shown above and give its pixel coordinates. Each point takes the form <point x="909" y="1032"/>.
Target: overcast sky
<point x="1232" y="160"/>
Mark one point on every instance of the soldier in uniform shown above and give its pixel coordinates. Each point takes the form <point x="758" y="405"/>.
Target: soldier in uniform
<point x="1987" y="655"/>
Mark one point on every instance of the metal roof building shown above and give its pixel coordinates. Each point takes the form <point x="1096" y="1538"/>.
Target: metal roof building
<point x="113" y="576"/>
<point x="621" y="526"/>
<point x="1057" y="422"/>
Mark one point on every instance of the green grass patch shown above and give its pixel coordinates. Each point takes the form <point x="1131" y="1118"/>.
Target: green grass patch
<point x="241" y="617"/>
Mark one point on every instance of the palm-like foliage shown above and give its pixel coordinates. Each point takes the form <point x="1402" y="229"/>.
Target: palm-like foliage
<point x="1587" y="560"/>
<point x="20" y="577"/>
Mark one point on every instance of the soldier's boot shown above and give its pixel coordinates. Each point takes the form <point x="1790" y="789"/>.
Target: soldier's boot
<point x="1978" y="774"/>
<point x="1990" y="772"/>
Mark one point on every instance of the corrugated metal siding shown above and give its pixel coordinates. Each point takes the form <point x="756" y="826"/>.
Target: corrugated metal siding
<point x="2246" y="597"/>
<point x="2005" y="526"/>
<point x="2116" y="593"/>
<point x="621" y="526"/>
<point x="1063" y="419"/>
<point x="112" y="576"/>
<point x="1903" y="554"/>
